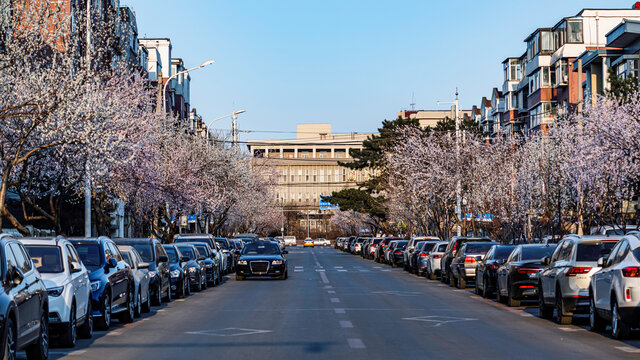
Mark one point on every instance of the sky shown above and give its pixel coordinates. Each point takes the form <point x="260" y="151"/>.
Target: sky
<point x="350" y="63"/>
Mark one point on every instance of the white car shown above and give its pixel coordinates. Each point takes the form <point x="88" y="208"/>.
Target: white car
<point x="322" y="242"/>
<point x="67" y="281"/>
<point x="290" y="241"/>
<point x="140" y="271"/>
<point x="433" y="260"/>
<point x="614" y="291"/>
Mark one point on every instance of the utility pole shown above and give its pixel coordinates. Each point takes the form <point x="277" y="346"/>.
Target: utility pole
<point x="308" y="225"/>
<point x="458" y="184"/>
<point x="87" y="182"/>
<point x="282" y="220"/>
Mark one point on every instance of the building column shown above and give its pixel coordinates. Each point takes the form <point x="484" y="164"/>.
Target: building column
<point x="266" y="152"/>
<point x="314" y="153"/>
<point x="295" y="153"/>
<point x="346" y="155"/>
<point x="281" y="152"/>
<point x="605" y="73"/>
<point x="333" y="153"/>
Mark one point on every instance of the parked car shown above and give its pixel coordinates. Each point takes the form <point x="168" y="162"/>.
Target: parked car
<point x="487" y="269"/>
<point x="112" y="284"/>
<point x="68" y="285"/>
<point x="371" y="249"/>
<point x="365" y="247"/>
<point x="309" y="243"/>
<point x="263" y="259"/>
<point x="411" y="248"/>
<point x="421" y="249"/>
<point x="24" y="303"/>
<point x="564" y="283"/>
<point x="432" y="270"/>
<point x="454" y="244"/>
<point x="614" y="230"/>
<point x="152" y="252"/>
<point x="211" y="261"/>
<point x="290" y="241"/>
<point x="195" y="266"/>
<point x="228" y="261"/>
<point x="463" y="266"/>
<point x="394" y="252"/>
<point x="178" y="264"/>
<point x="322" y="242"/>
<point x="140" y="270"/>
<point x="518" y="277"/>
<point x="615" y="290"/>
<point x="380" y="250"/>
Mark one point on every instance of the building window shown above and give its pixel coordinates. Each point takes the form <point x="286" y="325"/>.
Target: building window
<point x="627" y="68"/>
<point x="359" y="174"/>
<point x="329" y="175"/>
<point x="344" y="175"/>
<point x="322" y="155"/>
<point x="315" y="175"/>
<point x="284" y="175"/>
<point x="560" y="36"/>
<point x="307" y="197"/>
<point x="300" y="175"/>
<point x="321" y="175"/>
<point x="304" y="154"/>
<point x="315" y="197"/>
<point x="299" y="197"/>
<point x="306" y="175"/>
<point x="574" y="31"/>
<point x="546" y="42"/>
<point x="293" y="177"/>
<point x="562" y="72"/>
<point x="534" y="82"/>
<point x="547" y="76"/>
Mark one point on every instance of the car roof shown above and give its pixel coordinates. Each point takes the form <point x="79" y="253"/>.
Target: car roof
<point x="42" y="241"/>
<point x="125" y="247"/>
<point x="134" y="240"/>
<point x="89" y="240"/>
<point x="593" y="238"/>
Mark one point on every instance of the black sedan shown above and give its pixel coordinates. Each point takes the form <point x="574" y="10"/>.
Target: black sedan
<point x="518" y="277"/>
<point x="263" y="259"/>
<point x="487" y="269"/>
<point x="179" y="271"/>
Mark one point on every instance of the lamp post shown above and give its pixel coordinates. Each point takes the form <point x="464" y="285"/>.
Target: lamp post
<point x="458" y="185"/>
<point x="233" y="115"/>
<point x="164" y="89"/>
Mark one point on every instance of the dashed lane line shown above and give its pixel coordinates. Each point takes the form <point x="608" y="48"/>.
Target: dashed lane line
<point x="323" y="276"/>
<point x="335" y="300"/>
<point x="339" y="311"/>
<point x="356" y="344"/>
<point x="346" y="324"/>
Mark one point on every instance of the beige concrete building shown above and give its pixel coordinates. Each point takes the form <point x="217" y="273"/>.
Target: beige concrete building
<point x="308" y="169"/>
<point x="431" y="117"/>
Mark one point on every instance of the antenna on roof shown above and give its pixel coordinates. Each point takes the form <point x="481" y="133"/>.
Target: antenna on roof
<point x="413" y="101"/>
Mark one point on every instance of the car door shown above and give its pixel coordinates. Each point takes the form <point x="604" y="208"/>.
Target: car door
<point x="28" y="288"/>
<point x="605" y="276"/>
<point x="163" y="267"/>
<point x="557" y="266"/>
<point x="79" y="280"/>
<point x="19" y="294"/>
<point x="115" y="274"/>
<point x="503" y="271"/>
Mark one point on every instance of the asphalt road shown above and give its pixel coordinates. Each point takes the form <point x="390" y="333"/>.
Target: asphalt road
<point x="339" y="306"/>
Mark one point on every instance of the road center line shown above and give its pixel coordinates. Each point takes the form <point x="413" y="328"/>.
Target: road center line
<point x="339" y="311"/>
<point x="331" y="292"/>
<point x="356" y="344"/>
<point x="335" y="300"/>
<point x="346" y="324"/>
<point x="323" y="276"/>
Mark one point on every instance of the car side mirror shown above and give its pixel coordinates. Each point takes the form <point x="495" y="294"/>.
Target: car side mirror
<point x="285" y="252"/>
<point x="15" y="276"/>
<point x="143" y="265"/>
<point x="601" y="262"/>
<point x="185" y="259"/>
<point x="112" y="263"/>
<point x="163" y="258"/>
<point x="546" y="261"/>
<point x="76" y="267"/>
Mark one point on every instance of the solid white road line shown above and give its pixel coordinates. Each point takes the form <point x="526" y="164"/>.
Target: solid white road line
<point x="339" y="311"/>
<point x="323" y="276"/>
<point x="356" y="344"/>
<point x="346" y="324"/>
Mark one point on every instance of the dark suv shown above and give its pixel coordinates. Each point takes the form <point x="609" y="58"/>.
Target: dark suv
<point x="24" y="303"/>
<point x="112" y="284"/>
<point x="153" y="253"/>
<point x="454" y="244"/>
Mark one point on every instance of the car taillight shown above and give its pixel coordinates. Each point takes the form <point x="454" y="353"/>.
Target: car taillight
<point x="528" y="270"/>
<point x="631" y="271"/>
<point x="627" y="294"/>
<point x="455" y="245"/>
<point x="397" y="252"/>
<point x="527" y="286"/>
<point x="578" y="270"/>
<point x="424" y="254"/>
<point x="493" y="267"/>
<point x="470" y="259"/>
<point x="437" y="256"/>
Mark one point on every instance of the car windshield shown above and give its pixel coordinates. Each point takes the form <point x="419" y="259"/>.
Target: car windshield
<point x="89" y="254"/>
<point x="593" y="252"/>
<point x="537" y="252"/>
<point x="145" y="251"/>
<point x="47" y="259"/>
<point x="473" y="248"/>
<point x="202" y="249"/>
<point x="222" y="244"/>
<point x="442" y="248"/>
<point x="172" y="254"/>
<point x="419" y="244"/>
<point x="188" y="252"/>
<point x="503" y="252"/>
<point x="377" y="241"/>
<point x="401" y="244"/>
<point x="261" y="249"/>
<point x="618" y="231"/>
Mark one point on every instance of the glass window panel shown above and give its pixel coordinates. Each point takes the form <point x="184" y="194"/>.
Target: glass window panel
<point x="574" y="31"/>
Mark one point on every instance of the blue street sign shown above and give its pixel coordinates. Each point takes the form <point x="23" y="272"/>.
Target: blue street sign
<point x="191" y="219"/>
<point x="325" y="205"/>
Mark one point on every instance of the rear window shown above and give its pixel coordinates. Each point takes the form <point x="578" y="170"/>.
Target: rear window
<point x="477" y="248"/>
<point x="636" y="253"/>
<point x="222" y="243"/>
<point x="47" y="259"/>
<point x="202" y="249"/>
<point x="145" y="251"/>
<point x="188" y="252"/>
<point x="90" y="254"/>
<point x="503" y="252"/>
<point x="401" y="244"/>
<point x="172" y="254"/>
<point x="442" y="248"/>
<point x="377" y="241"/>
<point x="536" y="253"/>
<point x="593" y="252"/>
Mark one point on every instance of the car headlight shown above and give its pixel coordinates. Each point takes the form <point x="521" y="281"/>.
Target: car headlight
<point x="175" y="273"/>
<point x="95" y="285"/>
<point x="152" y="273"/>
<point x="242" y="262"/>
<point x="56" y="291"/>
<point x="192" y="269"/>
<point x="276" y="262"/>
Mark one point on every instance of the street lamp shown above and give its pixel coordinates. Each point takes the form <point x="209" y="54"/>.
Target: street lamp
<point x="164" y="89"/>
<point x="233" y="115"/>
<point x="458" y="185"/>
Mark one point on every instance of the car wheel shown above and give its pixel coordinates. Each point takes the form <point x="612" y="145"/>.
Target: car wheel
<point x="561" y="316"/>
<point x="511" y="301"/>
<point x="199" y="287"/>
<point x="188" y="286"/>
<point x="619" y="329"/>
<point x="40" y="349"/>
<point x="10" y="341"/>
<point x="462" y="282"/>
<point x="138" y="311"/>
<point x="239" y="277"/>
<point x="129" y="314"/>
<point x="69" y="337"/>
<point x="86" y="329"/>
<point x="545" y="312"/>
<point x="146" y="307"/>
<point x="204" y="281"/>
<point x="169" y="297"/>
<point x="105" y="320"/>
<point x="157" y="299"/>
<point x="452" y="280"/>
<point x="596" y="323"/>
<point x="476" y="289"/>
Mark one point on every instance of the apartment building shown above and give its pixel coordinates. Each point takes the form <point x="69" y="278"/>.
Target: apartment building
<point x="308" y="168"/>
<point x="429" y="118"/>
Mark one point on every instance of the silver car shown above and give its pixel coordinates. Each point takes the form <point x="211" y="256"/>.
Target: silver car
<point x="433" y="261"/>
<point x="140" y="271"/>
<point x="615" y="289"/>
<point x="564" y="284"/>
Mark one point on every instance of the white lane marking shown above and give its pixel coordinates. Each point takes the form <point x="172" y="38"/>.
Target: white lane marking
<point x="335" y="300"/>
<point x="320" y="270"/>
<point x="297" y="270"/>
<point x="299" y="267"/>
<point x="439" y="320"/>
<point x="324" y="277"/>
<point x="338" y="267"/>
<point x="628" y="349"/>
<point x="339" y="311"/>
<point x="526" y="314"/>
<point x="342" y="270"/>
<point x="331" y="292"/>
<point x="65" y="353"/>
<point x="356" y="344"/>
<point x="346" y="324"/>
<point x="161" y="310"/>
<point x="229" y="332"/>
<point x="113" y="333"/>
<point x="568" y="329"/>
<point x="179" y="300"/>
<point x="328" y="287"/>
<point x="386" y="269"/>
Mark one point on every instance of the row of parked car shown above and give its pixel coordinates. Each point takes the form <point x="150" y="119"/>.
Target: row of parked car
<point x="598" y="275"/>
<point x="60" y="289"/>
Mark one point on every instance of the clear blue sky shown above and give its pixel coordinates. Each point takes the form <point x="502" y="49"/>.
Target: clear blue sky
<point x="351" y="63"/>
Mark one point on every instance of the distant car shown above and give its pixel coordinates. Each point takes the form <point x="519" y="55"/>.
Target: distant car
<point x="228" y="261"/>
<point x="212" y="263"/>
<point x="371" y="249"/>
<point x="68" y="285"/>
<point x="112" y="284"/>
<point x="290" y="241"/>
<point x="421" y="249"/>
<point x="24" y="303"/>
<point x="308" y="243"/>
<point x="195" y="266"/>
<point x="432" y="270"/>
<point x="394" y="253"/>
<point x="615" y="290"/>
<point x="152" y="252"/>
<point x="263" y="259"/>
<point x="140" y="270"/>
<point x="179" y="271"/>
<point x="410" y="249"/>
<point x="322" y="242"/>
<point x="564" y="283"/>
<point x="454" y="244"/>
<point x="487" y="269"/>
<point x="614" y="230"/>
<point x="518" y="277"/>
<point x="463" y="266"/>
<point x="378" y="256"/>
